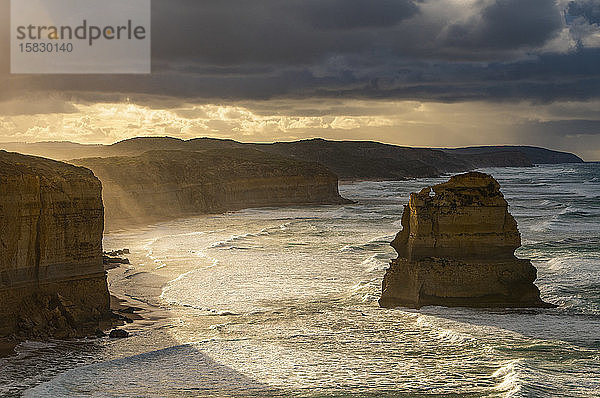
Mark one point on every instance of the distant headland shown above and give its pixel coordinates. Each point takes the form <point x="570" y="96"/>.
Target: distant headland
<point x="349" y="160"/>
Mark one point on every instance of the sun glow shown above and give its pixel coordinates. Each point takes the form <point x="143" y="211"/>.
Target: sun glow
<point x="411" y="123"/>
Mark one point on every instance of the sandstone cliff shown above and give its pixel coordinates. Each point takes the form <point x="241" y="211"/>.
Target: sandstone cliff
<point x="457" y="247"/>
<point x="52" y="282"/>
<point x="159" y="185"/>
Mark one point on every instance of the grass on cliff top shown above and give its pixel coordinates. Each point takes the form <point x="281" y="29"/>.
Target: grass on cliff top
<point x="225" y="163"/>
<point x="12" y="164"/>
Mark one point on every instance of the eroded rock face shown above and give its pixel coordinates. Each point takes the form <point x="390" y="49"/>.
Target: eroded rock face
<point x="159" y="185"/>
<point x="457" y="248"/>
<point x="52" y="281"/>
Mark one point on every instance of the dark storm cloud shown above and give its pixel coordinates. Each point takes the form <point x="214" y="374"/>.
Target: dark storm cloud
<point x="271" y="31"/>
<point x="403" y="49"/>
<point x="305" y="31"/>
<point x="587" y="9"/>
<point x="560" y="127"/>
<point x="508" y="24"/>
<point x="352" y="14"/>
<point x="579" y="136"/>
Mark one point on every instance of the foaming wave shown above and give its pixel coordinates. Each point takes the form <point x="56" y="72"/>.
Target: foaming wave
<point x="366" y="291"/>
<point x="229" y="242"/>
<point x="522" y="377"/>
<point x="453" y="337"/>
<point x="158" y="264"/>
<point x="375" y="263"/>
<point x="359" y="286"/>
<point x="549" y="203"/>
<point x="442" y="332"/>
<point x="169" y="286"/>
<point x="381" y="241"/>
<point x="509" y="381"/>
<point x="214" y="263"/>
<point x="559" y="264"/>
<point x="543" y="224"/>
<point x="34" y="345"/>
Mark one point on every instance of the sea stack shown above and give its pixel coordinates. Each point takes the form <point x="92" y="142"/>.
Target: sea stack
<point x="456" y="249"/>
<point x="52" y="281"/>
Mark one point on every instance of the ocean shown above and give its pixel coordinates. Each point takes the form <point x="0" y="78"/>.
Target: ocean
<point x="280" y="302"/>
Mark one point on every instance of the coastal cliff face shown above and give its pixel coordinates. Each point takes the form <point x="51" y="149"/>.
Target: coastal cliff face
<point x="160" y="185"/>
<point x="52" y="282"/>
<point x="457" y="247"/>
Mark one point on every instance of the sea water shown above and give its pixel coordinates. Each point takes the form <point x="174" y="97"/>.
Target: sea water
<point x="283" y="302"/>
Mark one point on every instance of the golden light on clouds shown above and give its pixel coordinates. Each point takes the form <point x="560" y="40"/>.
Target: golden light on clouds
<point x="410" y="123"/>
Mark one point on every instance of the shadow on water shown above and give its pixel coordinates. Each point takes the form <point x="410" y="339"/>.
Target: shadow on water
<point x="150" y="363"/>
<point x="176" y="371"/>
<point x="551" y="325"/>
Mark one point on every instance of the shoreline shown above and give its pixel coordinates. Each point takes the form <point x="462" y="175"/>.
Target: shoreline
<point x="127" y="224"/>
<point x="135" y="313"/>
<point x="126" y="313"/>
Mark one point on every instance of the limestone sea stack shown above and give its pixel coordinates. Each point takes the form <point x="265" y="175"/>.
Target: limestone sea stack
<point x="457" y="248"/>
<point x="52" y="281"/>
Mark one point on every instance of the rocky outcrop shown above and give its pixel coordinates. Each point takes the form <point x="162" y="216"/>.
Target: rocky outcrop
<point x="52" y="281"/>
<point x="457" y="248"/>
<point x="160" y="185"/>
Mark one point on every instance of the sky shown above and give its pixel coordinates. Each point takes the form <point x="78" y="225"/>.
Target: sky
<point x="440" y="73"/>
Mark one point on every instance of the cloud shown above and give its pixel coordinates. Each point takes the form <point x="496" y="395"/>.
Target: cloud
<point x="567" y="128"/>
<point x="32" y="105"/>
<point x="507" y="24"/>
<point x="587" y="9"/>
<point x="353" y="14"/>
<point x="571" y="126"/>
<point x="453" y="50"/>
<point x="429" y="72"/>
<point x="274" y="32"/>
<point x="301" y="32"/>
<point x="410" y="72"/>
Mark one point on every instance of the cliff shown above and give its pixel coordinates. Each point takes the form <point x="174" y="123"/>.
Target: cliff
<point x="535" y="155"/>
<point x="370" y="160"/>
<point x="347" y="159"/>
<point x="52" y="282"/>
<point x="457" y="247"/>
<point x="163" y="184"/>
